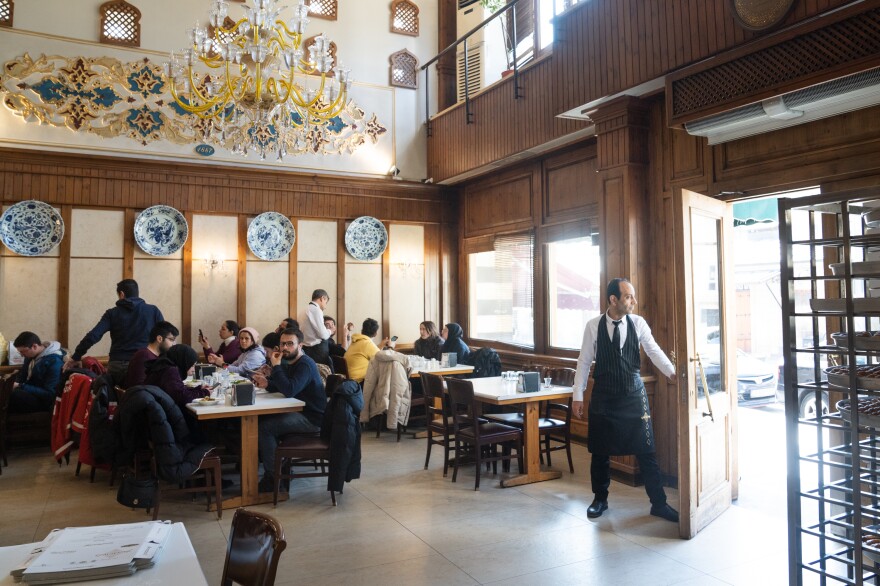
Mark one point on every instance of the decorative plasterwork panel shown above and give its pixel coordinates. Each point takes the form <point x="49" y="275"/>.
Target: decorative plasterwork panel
<point x="109" y="98"/>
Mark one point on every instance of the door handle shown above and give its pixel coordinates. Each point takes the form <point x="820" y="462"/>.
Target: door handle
<point x="706" y="393"/>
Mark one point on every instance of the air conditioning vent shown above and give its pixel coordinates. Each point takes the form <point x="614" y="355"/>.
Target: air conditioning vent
<point x="474" y="73"/>
<point x="853" y="92"/>
<point x="466" y="3"/>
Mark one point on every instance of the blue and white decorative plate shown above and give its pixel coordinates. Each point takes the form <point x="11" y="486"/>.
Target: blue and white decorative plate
<point x="160" y="230"/>
<point x="366" y="238"/>
<point x="31" y="228"/>
<point x="271" y="236"/>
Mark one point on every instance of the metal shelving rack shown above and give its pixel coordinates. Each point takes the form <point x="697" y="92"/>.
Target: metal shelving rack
<point x="833" y="473"/>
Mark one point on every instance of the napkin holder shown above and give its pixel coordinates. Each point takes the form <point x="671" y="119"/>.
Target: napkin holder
<point x="449" y="359"/>
<point x="243" y="393"/>
<point x="528" y="382"/>
<point x="203" y="370"/>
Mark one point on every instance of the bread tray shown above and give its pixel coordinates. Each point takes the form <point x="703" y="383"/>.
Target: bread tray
<point x="842" y="381"/>
<point x="865" y="420"/>
<point x="861" y="304"/>
<point x="859" y="269"/>
<point x="870" y="343"/>
<point x="205" y="402"/>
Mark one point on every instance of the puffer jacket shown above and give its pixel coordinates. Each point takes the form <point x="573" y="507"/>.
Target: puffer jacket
<point x="387" y="389"/>
<point x="149" y="416"/>
<point x="340" y="427"/>
<point x="40" y="375"/>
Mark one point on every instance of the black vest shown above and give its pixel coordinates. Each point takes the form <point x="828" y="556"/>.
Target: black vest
<point x="617" y="371"/>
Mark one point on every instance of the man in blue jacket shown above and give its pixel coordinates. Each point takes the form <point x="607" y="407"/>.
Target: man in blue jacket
<point x="129" y="324"/>
<point x="34" y="387"/>
<point x="297" y="378"/>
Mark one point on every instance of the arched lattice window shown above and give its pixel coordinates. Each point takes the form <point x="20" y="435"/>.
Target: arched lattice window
<point x="325" y="9"/>
<point x="221" y="37"/>
<point x="404" y="70"/>
<point x="311" y="41"/>
<point x="404" y="18"/>
<point x="120" y="24"/>
<point x="6" y="7"/>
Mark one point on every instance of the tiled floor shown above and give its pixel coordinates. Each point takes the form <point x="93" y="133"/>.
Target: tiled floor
<point x="400" y="524"/>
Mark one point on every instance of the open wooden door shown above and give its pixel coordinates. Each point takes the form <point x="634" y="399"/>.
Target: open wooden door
<point x="706" y="336"/>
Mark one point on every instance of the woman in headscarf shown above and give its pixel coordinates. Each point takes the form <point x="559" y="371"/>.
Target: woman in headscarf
<point x="453" y="333"/>
<point x="429" y="342"/>
<point x="169" y="371"/>
<point x="252" y="354"/>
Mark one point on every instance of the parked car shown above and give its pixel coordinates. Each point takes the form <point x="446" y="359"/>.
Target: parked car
<point x="755" y="379"/>
<point x="807" y="405"/>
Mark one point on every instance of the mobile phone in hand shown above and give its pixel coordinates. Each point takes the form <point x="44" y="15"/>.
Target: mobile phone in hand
<point x="393" y="338"/>
<point x="201" y="335"/>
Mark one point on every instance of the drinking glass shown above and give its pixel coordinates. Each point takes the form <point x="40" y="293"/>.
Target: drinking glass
<point x="547" y="382"/>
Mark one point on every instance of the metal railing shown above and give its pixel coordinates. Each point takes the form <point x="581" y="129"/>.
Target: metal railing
<point x="463" y="40"/>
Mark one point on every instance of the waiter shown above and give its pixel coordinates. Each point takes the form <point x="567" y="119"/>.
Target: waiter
<point x="619" y="415"/>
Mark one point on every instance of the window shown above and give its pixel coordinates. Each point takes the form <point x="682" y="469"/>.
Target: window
<point x="323" y="9"/>
<point x="6" y="7"/>
<point x="404" y="66"/>
<point x="500" y="291"/>
<point x="120" y="24"/>
<point x="404" y="18"/>
<point x="547" y="11"/>
<point x="574" y="290"/>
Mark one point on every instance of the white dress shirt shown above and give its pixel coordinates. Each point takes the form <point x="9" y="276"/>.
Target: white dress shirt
<point x="313" y="329"/>
<point x="588" y="349"/>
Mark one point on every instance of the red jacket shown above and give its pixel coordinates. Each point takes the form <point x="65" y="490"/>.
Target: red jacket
<point x="70" y="413"/>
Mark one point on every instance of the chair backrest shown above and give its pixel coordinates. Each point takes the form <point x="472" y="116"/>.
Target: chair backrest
<point x="462" y="406"/>
<point x="432" y="385"/>
<point x="333" y="382"/>
<point x="561" y="376"/>
<point x="339" y="365"/>
<point x="254" y="549"/>
<point x="5" y="396"/>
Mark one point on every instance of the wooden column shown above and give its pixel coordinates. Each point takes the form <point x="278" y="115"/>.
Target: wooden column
<point x="242" y="269"/>
<point x="62" y="325"/>
<point x="187" y="286"/>
<point x="293" y="262"/>
<point x="622" y="127"/>
<point x="447" y="14"/>
<point x="341" y="318"/>
<point x="432" y="273"/>
<point x="386" y="286"/>
<point x="128" y="245"/>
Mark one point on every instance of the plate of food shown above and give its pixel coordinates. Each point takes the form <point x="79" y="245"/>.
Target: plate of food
<point x="205" y="401"/>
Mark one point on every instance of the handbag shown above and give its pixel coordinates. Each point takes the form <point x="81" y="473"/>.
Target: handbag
<point x="137" y="493"/>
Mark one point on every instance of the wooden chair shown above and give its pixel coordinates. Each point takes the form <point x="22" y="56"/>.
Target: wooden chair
<point x="211" y="476"/>
<point x="333" y="381"/>
<point x="483" y="436"/>
<point x="339" y="365"/>
<point x="298" y="450"/>
<point x="439" y="424"/>
<point x="5" y="395"/>
<point x="255" y="546"/>
<point x="555" y="423"/>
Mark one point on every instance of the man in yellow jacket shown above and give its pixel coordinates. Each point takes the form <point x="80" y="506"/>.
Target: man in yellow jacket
<point x="362" y="350"/>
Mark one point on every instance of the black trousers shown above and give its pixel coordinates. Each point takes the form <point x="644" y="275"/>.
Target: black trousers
<point x="600" y="475"/>
<point x="320" y="353"/>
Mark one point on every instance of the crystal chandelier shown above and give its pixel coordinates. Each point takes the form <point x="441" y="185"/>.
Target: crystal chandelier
<point x="250" y="85"/>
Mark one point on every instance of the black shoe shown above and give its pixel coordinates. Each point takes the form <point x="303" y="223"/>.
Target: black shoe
<point x="267" y="484"/>
<point x="664" y="511"/>
<point x="597" y="508"/>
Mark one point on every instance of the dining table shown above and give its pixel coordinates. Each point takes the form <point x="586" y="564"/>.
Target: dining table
<point x="264" y="404"/>
<point x="443" y="370"/>
<point x="176" y="563"/>
<point x="496" y="390"/>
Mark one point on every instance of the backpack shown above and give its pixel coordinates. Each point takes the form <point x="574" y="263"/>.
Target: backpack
<point x="104" y="439"/>
<point x="486" y="363"/>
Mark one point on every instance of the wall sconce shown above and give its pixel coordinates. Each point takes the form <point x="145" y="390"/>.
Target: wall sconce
<point x="214" y="265"/>
<point x="408" y="270"/>
<point x="394" y="172"/>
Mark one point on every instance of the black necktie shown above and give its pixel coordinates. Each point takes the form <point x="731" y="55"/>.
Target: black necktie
<point x="615" y="338"/>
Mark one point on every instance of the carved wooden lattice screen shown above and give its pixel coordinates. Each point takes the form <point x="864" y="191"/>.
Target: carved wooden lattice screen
<point x="404" y="18"/>
<point x="6" y="7"/>
<point x="404" y="70"/>
<point x="120" y="24"/>
<point x="220" y="37"/>
<point x="323" y="9"/>
<point x="311" y="41"/>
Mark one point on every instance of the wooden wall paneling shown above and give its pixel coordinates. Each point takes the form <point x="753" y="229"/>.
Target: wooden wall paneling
<point x="433" y="292"/>
<point x="62" y="318"/>
<point x="128" y="244"/>
<point x="570" y="185"/>
<point x="187" y="287"/>
<point x="91" y="181"/>
<point x="242" y="269"/>
<point x="500" y="203"/>
<point x="341" y="317"/>
<point x="292" y="265"/>
<point x="386" y="286"/>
